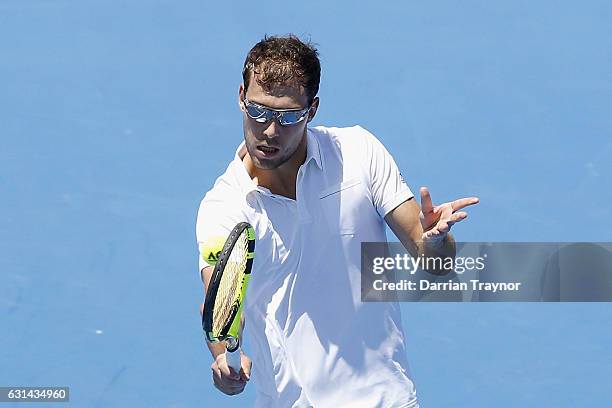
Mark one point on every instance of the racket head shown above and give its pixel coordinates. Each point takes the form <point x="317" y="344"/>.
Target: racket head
<point x="228" y="283"/>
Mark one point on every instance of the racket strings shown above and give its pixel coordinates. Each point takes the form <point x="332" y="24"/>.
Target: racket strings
<point x="230" y="284"/>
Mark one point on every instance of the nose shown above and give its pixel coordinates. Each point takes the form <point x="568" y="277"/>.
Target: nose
<point x="272" y="129"/>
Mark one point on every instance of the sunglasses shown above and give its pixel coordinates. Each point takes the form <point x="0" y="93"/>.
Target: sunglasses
<point x="286" y="117"/>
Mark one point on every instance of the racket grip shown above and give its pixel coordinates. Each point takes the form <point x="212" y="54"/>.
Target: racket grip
<point x="233" y="359"/>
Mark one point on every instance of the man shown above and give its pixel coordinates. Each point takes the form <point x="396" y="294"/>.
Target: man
<point x="313" y="195"/>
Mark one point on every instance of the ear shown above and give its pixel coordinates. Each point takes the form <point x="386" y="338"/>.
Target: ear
<point x="241" y="94"/>
<point x="313" y="108"/>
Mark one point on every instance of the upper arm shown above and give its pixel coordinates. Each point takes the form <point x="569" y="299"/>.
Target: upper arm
<point x="387" y="186"/>
<point x="215" y="220"/>
<point x="391" y="196"/>
<point x="404" y="221"/>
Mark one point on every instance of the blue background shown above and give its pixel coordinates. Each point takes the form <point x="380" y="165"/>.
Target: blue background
<point x="117" y="116"/>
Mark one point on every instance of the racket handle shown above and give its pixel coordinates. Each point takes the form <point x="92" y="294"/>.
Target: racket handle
<point x="233" y="359"/>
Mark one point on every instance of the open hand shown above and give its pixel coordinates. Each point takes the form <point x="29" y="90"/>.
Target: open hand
<point x="438" y="220"/>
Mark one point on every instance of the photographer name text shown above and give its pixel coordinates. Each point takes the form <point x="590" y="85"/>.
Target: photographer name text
<point x="424" y="284"/>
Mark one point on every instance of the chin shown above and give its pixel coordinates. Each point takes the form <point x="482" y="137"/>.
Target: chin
<point x="264" y="165"/>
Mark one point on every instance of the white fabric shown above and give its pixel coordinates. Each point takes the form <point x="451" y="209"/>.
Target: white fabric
<point x="312" y="341"/>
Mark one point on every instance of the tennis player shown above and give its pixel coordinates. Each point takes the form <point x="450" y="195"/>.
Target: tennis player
<point x="313" y="194"/>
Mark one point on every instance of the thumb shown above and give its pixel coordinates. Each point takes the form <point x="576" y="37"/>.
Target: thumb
<point x="245" y="372"/>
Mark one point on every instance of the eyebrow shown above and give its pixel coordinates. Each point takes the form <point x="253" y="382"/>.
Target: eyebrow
<point x="274" y="109"/>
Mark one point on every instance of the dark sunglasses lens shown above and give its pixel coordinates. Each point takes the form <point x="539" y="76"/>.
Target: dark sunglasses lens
<point x="254" y="111"/>
<point x="290" y="118"/>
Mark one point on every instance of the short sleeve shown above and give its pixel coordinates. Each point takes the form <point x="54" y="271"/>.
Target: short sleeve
<point x="215" y="221"/>
<point x="387" y="185"/>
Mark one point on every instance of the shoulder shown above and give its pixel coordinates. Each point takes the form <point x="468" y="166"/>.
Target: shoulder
<point x="343" y="137"/>
<point x="346" y="143"/>
<point x="225" y="189"/>
<point x="222" y="206"/>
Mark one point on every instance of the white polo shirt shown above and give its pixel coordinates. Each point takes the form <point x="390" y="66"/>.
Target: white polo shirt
<point x="312" y="341"/>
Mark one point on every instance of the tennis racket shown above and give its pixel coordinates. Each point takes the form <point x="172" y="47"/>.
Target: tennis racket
<point x="227" y="289"/>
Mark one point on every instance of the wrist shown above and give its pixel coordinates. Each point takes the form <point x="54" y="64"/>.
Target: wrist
<point x="435" y="241"/>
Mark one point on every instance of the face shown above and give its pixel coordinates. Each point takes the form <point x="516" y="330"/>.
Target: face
<point x="270" y="144"/>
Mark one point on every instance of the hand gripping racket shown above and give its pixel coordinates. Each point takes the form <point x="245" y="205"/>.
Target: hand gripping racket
<point x="227" y="289"/>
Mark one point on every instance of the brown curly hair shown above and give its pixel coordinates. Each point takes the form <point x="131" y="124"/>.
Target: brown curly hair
<point x="284" y="60"/>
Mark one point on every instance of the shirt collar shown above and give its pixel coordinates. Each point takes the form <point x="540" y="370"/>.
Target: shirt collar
<point x="242" y="176"/>
<point x="313" y="152"/>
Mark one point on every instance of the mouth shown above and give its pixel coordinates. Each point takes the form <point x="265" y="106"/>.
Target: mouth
<point x="267" y="150"/>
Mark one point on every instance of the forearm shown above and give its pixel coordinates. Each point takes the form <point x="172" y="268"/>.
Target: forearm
<point x="219" y="347"/>
<point x="216" y="348"/>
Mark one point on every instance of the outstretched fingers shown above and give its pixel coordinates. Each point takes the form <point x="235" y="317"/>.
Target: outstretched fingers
<point x="464" y="202"/>
<point x="445" y="223"/>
